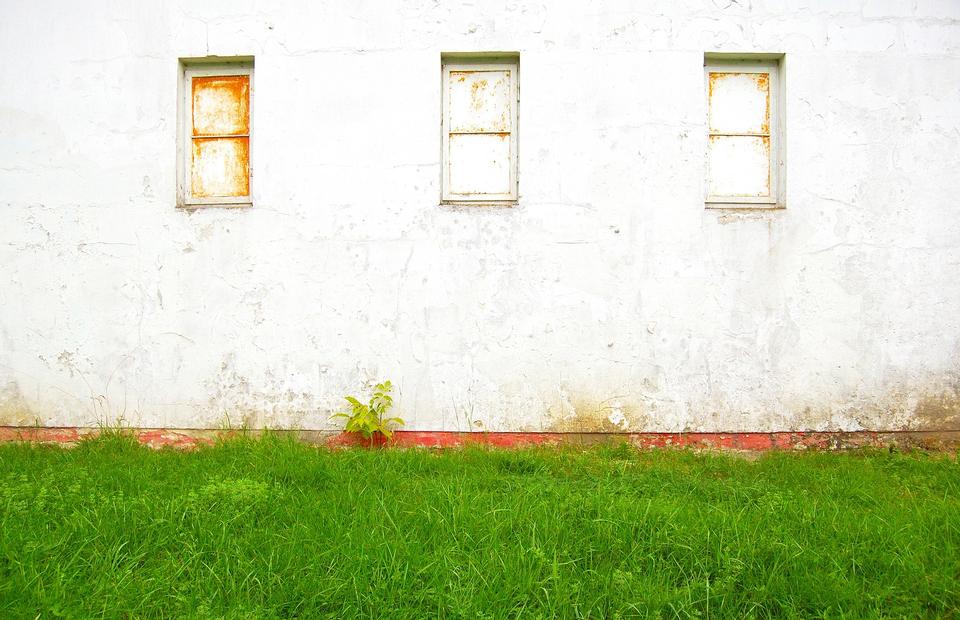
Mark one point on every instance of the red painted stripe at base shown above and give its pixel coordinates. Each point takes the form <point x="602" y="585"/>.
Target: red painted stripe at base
<point x="724" y="441"/>
<point x="46" y="435"/>
<point x="160" y="438"/>
<point x="822" y="440"/>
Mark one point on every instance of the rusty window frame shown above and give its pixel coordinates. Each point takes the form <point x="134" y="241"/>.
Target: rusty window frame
<point x="479" y="62"/>
<point x="771" y="65"/>
<point x="204" y="67"/>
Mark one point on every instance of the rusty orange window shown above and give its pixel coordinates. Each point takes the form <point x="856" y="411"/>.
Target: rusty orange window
<point x="744" y="160"/>
<point x="479" y="129"/>
<point x="215" y="167"/>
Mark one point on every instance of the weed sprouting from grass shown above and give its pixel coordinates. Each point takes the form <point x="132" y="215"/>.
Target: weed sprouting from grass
<point x="273" y="528"/>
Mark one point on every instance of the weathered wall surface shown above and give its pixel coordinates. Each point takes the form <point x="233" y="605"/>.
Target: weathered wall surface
<point x="609" y="299"/>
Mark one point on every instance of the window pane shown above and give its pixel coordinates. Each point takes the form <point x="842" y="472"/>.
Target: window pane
<point x="221" y="105"/>
<point x="479" y="100"/>
<point x="479" y="164"/>
<point x="220" y="167"/>
<point x="739" y="166"/>
<point x="739" y="102"/>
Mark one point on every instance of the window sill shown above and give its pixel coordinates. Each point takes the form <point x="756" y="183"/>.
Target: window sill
<point x="453" y="204"/>
<point x="196" y="206"/>
<point x="744" y="206"/>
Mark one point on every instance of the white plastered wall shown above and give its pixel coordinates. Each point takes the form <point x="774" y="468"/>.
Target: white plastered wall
<point x="608" y="299"/>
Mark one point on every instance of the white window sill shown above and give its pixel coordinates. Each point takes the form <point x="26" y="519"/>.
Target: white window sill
<point x="744" y="206"/>
<point x="194" y="206"/>
<point x="479" y="203"/>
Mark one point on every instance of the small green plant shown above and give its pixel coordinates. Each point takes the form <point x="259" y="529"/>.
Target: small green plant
<point x="371" y="418"/>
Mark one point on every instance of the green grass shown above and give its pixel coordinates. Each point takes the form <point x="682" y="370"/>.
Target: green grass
<point x="276" y="529"/>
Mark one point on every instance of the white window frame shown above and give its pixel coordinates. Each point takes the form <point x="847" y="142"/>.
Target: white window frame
<point x="189" y="69"/>
<point x="496" y="62"/>
<point x="772" y="65"/>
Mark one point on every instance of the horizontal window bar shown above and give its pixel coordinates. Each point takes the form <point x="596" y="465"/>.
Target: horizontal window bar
<point x="479" y="133"/>
<point x="755" y="135"/>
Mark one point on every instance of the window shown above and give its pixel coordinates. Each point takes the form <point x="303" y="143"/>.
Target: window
<point x="214" y="149"/>
<point x="744" y="123"/>
<point x="479" y="125"/>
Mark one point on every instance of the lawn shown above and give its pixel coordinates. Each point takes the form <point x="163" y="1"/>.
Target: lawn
<point x="275" y="529"/>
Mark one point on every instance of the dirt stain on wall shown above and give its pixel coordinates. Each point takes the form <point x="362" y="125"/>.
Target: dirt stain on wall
<point x="583" y="415"/>
<point x="14" y="410"/>
<point x="938" y="412"/>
